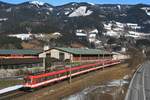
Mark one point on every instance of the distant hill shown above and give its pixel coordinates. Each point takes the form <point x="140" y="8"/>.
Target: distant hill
<point x="42" y="18"/>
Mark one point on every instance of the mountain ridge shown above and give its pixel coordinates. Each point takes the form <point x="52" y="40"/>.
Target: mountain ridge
<point x="48" y="18"/>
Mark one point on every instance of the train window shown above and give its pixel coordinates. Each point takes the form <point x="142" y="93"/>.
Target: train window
<point x="42" y="79"/>
<point x="76" y="71"/>
<point x="83" y="68"/>
<point x="39" y="80"/>
<point x="27" y="80"/>
<point x="64" y="74"/>
<point x="49" y="77"/>
<point x="34" y="81"/>
<point x="73" y="71"/>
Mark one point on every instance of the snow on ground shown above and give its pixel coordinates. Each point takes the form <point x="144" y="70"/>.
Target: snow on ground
<point x="120" y="25"/>
<point x="92" y="35"/>
<point x="116" y="29"/>
<point x="12" y="88"/>
<point x="147" y="10"/>
<point x="9" y="10"/>
<point x="107" y="26"/>
<point x="67" y="12"/>
<point x="47" y="13"/>
<point x="137" y="35"/>
<point x="26" y="36"/>
<point x="56" y="35"/>
<point x="148" y="13"/>
<point x="50" y="9"/>
<point x="3" y="19"/>
<point x="119" y="7"/>
<point x="133" y="25"/>
<point x="112" y="33"/>
<point x="21" y="36"/>
<point x="81" y="11"/>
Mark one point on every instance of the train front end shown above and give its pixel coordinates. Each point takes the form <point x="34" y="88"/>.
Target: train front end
<point x="28" y="82"/>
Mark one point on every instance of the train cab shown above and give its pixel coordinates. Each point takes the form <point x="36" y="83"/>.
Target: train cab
<point x="28" y="81"/>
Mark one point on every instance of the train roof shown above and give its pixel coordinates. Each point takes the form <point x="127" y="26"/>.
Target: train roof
<point x="58" y="72"/>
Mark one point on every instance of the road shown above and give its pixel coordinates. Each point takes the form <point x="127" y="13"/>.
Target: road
<point x="139" y="88"/>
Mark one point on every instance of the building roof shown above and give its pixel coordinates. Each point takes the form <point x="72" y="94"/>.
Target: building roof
<point x="19" y="51"/>
<point x="83" y="51"/>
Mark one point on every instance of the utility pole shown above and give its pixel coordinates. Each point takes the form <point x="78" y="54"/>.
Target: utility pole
<point x="103" y="61"/>
<point x="70" y="70"/>
<point x="70" y="74"/>
<point x="80" y="58"/>
<point x="44" y="63"/>
<point x="103" y="58"/>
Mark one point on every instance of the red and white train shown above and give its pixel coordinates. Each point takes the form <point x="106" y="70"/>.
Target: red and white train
<point x="36" y="81"/>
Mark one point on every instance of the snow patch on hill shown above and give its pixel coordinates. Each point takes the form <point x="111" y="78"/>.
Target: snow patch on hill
<point x="91" y="3"/>
<point x="37" y="3"/>
<point x="81" y="11"/>
<point x="147" y="10"/>
<point x="3" y="19"/>
<point x="50" y="9"/>
<point x="21" y="36"/>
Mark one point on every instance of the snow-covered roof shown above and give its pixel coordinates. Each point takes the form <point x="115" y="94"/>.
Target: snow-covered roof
<point x="132" y="24"/>
<point x="135" y="33"/>
<point x="80" y="30"/>
<point x="94" y="31"/>
<point x="80" y="34"/>
<point x="92" y="35"/>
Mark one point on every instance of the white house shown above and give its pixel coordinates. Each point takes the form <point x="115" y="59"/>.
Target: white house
<point x="119" y="56"/>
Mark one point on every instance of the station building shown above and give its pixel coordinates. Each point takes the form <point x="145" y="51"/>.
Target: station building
<point x="76" y="54"/>
<point x="18" y="53"/>
<point x="19" y="58"/>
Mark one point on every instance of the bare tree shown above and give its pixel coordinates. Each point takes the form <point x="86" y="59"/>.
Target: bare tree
<point x="49" y="39"/>
<point x="29" y="29"/>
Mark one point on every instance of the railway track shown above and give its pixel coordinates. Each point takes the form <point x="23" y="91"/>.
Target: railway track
<point x="12" y="95"/>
